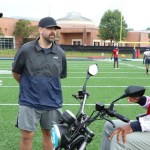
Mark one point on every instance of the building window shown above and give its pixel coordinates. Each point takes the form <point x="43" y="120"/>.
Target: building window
<point x="76" y="42"/>
<point x="6" y="43"/>
<point x="96" y="43"/>
<point x="79" y="43"/>
<point x="109" y="44"/>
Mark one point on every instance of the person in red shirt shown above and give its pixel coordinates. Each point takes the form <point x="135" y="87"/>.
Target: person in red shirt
<point x="115" y="55"/>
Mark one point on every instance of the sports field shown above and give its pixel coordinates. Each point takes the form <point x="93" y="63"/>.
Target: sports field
<point x="105" y="87"/>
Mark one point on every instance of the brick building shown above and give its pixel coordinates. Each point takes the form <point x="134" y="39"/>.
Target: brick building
<point x="7" y="25"/>
<point x="76" y="30"/>
<point x="138" y="36"/>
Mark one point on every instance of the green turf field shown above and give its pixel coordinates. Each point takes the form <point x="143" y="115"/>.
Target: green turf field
<point x="105" y="87"/>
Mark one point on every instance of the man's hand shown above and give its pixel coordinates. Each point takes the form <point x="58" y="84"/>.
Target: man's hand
<point x="16" y="76"/>
<point x="121" y="133"/>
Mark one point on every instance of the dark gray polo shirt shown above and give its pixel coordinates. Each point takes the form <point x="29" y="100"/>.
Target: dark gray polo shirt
<point x="40" y="70"/>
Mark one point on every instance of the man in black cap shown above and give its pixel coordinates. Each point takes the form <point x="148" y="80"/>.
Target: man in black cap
<point x="38" y="67"/>
<point x="129" y="136"/>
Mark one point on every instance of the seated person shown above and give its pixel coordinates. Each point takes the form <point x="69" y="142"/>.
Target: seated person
<point x="129" y="136"/>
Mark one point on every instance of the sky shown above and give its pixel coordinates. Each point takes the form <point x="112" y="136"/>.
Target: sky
<point x="135" y="12"/>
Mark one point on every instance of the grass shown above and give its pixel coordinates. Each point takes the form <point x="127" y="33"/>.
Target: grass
<point x="7" y="53"/>
<point x="105" y="87"/>
<point x="11" y="53"/>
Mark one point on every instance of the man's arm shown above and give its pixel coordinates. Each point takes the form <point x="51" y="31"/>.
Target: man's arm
<point x="133" y="126"/>
<point x="16" y="76"/>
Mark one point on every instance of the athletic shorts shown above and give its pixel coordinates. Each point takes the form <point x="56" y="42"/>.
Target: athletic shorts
<point x="29" y="118"/>
<point x="147" y="61"/>
<point x="115" y="59"/>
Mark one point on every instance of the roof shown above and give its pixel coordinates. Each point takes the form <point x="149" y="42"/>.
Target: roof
<point x="74" y="16"/>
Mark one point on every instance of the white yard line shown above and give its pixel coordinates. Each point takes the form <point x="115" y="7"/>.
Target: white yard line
<point x="135" y="66"/>
<point x="5" y="72"/>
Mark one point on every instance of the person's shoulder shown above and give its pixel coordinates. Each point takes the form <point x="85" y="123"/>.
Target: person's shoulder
<point x="28" y="44"/>
<point x="59" y="48"/>
<point x="115" y="49"/>
<point x="27" y="47"/>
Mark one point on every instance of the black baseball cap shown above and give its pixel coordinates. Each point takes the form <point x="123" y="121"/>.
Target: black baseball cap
<point x="48" y="22"/>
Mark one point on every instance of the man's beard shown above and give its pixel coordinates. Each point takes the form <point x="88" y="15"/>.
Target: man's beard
<point x="49" y="39"/>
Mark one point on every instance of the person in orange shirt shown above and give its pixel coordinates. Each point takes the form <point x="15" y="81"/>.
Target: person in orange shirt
<point x="115" y="55"/>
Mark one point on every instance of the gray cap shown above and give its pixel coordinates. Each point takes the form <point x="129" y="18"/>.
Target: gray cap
<point x="48" y="22"/>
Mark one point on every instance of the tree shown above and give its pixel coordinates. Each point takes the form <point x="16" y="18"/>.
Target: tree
<point x="110" y="26"/>
<point x="130" y="29"/>
<point x="148" y="33"/>
<point x="24" y="30"/>
<point x="148" y="28"/>
<point x="1" y="32"/>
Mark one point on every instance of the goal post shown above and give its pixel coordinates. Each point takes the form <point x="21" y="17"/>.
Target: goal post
<point x="121" y="28"/>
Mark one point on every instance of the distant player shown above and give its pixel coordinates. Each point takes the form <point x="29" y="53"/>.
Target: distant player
<point x="146" y="59"/>
<point x="115" y="55"/>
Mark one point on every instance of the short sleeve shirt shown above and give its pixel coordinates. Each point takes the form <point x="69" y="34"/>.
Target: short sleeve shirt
<point x="40" y="70"/>
<point x="147" y="54"/>
<point x="115" y="52"/>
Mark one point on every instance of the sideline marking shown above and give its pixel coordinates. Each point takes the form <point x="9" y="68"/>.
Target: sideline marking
<point x="130" y="65"/>
<point x="5" y="72"/>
